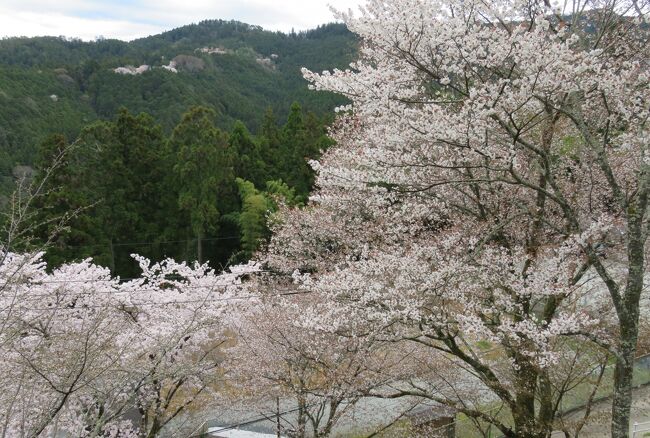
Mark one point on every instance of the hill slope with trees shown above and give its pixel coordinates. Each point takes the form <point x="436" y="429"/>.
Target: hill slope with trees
<point x="56" y="85"/>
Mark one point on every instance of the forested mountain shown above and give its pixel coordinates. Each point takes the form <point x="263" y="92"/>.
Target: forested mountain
<point x="56" y="85"/>
<point x="176" y="145"/>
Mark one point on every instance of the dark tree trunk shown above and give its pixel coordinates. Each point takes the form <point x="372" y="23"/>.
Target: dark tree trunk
<point x="623" y="373"/>
<point x="199" y="248"/>
<point x="628" y="315"/>
<point x="524" y="411"/>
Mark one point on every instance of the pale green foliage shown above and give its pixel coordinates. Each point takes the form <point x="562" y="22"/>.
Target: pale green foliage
<point x="252" y="219"/>
<point x="257" y="206"/>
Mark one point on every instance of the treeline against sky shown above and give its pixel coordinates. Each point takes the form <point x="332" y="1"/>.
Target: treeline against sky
<point x="54" y="84"/>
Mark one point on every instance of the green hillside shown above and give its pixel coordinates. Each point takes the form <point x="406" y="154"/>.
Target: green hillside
<point x="55" y="85"/>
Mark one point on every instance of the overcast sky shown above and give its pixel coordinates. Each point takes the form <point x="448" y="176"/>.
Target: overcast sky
<point x="129" y="19"/>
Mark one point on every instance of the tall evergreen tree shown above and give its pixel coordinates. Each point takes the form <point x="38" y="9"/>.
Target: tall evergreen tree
<point x="249" y="164"/>
<point x="124" y="170"/>
<point x="269" y="129"/>
<point x="296" y="150"/>
<point x="269" y="141"/>
<point x="203" y="171"/>
<point x="63" y="222"/>
<point x="317" y="139"/>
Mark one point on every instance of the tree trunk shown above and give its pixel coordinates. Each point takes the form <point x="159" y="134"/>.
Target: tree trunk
<point x="524" y="412"/>
<point x="623" y="373"/>
<point x="155" y="428"/>
<point x="302" y="417"/>
<point x="112" y="251"/>
<point x="624" y="370"/>
<point x="524" y="419"/>
<point x="628" y="317"/>
<point x="188" y="246"/>
<point x="546" y="406"/>
<point x="199" y="248"/>
<point x="278" y="427"/>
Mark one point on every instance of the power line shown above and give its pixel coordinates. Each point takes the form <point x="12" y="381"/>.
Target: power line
<point x="153" y="242"/>
<point x="151" y="303"/>
<point x="212" y="288"/>
<point x="118" y="279"/>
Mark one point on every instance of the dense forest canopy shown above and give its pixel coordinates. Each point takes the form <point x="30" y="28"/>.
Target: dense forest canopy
<point x="199" y="193"/>
<point x="177" y="144"/>
<point x="57" y="85"/>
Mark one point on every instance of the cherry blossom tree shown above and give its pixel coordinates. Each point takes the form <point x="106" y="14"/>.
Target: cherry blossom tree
<point x="179" y="334"/>
<point x="490" y="181"/>
<point x="59" y="335"/>
<point x="80" y="347"/>
<point x="318" y="375"/>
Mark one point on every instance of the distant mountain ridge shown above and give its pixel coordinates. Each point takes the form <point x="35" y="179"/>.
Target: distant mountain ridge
<point x="53" y="84"/>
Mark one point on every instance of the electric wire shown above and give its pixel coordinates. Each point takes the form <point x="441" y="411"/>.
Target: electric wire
<point x="167" y="303"/>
